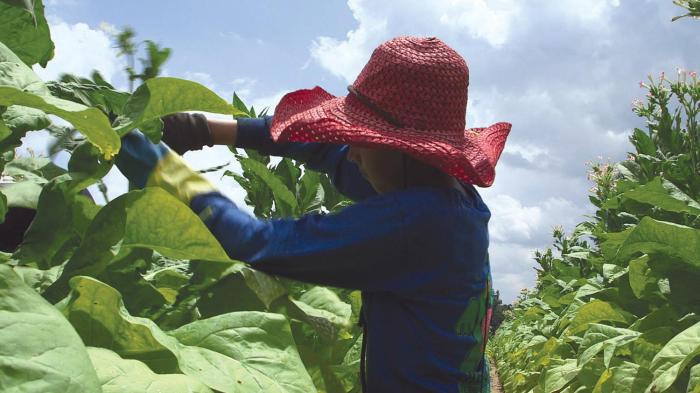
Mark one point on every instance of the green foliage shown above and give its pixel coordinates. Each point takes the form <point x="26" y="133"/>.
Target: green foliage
<point x="692" y="6"/>
<point x="23" y="28"/>
<point x="19" y="85"/>
<point x="40" y="349"/>
<point x="150" y="300"/>
<point x="621" y="314"/>
<point x="158" y="97"/>
<point x="117" y="375"/>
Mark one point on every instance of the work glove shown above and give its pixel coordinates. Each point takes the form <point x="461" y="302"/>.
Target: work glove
<point x="147" y="164"/>
<point x="186" y="131"/>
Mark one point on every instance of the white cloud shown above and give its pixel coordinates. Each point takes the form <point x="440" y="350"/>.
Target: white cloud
<point x="510" y="220"/>
<point x="345" y="58"/>
<point x="591" y="13"/>
<point x="244" y="86"/>
<point x="487" y="21"/>
<point x="379" y="21"/>
<point x="80" y="50"/>
<point x="511" y="268"/>
<point x="270" y="101"/>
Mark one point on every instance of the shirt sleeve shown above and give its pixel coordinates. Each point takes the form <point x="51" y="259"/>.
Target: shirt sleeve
<point x="363" y="246"/>
<point x="254" y="133"/>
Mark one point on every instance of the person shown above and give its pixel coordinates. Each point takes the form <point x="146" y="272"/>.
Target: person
<point x="415" y="242"/>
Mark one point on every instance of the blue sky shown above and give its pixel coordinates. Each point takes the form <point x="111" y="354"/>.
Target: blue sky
<point x="563" y="72"/>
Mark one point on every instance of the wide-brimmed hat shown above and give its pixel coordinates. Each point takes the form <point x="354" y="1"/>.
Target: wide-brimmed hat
<point x="410" y="96"/>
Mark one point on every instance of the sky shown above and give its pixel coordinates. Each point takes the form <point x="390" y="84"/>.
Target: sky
<point x="563" y="72"/>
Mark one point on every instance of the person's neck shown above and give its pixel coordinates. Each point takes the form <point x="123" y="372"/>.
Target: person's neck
<point x="420" y="174"/>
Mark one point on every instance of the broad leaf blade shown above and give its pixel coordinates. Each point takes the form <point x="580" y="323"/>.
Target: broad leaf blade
<point x="119" y="375"/>
<point x="39" y="351"/>
<point x="23" y="28"/>
<point x="209" y="350"/>
<point x="161" y="96"/>
<point x="674" y="357"/>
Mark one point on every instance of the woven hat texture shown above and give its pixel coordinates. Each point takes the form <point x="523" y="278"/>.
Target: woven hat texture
<point x="410" y="96"/>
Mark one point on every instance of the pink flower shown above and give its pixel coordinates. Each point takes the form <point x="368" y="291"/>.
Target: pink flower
<point x="643" y="85"/>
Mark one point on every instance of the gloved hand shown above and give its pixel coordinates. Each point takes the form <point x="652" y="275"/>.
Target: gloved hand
<point x="186" y="131"/>
<point x="148" y="164"/>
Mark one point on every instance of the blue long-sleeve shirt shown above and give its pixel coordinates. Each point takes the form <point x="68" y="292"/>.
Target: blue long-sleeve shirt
<point x="419" y="255"/>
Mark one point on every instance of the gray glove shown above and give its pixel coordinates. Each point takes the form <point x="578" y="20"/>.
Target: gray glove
<point x="186" y="131"/>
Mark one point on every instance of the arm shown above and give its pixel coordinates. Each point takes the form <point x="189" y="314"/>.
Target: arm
<point x="368" y="245"/>
<point x="364" y="246"/>
<point x="254" y="133"/>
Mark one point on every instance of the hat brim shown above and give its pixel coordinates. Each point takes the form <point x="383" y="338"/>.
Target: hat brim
<point x="314" y="115"/>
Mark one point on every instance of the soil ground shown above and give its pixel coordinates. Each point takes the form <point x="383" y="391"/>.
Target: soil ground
<point x="495" y="382"/>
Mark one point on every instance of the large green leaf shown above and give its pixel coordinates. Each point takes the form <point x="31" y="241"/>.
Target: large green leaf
<point x="288" y="173"/>
<point x="311" y="192"/>
<point x="611" y="242"/>
<point x="89" y="121"/>
<point x="39" y="351"/>
<point x="660" y="193"/>
<point x="149" y="218"/>
<point x="558" y="376"/>
<point x="674" y="357"/>
<point x="19" y="85"/>
<point x="124" y="273"/>
<point x="625" y="378"/>
<point x="606" y="338"/>
<point x="324" y="311"/>
<point x="235" y="352"/>
<point x="23" y="29"/>
<point x="261" y="342"/>
<point x="22" y="194"/>
<point x="19" y="120"/>
<point x="87" y="166"/>
<point x="238" y="288"/>
<point x="643" y="281"/>
<point x="694" y="381"/>
<point x="117" y="375"/>
<point x="90" y="93"/>
<point x="161" y="96"/>
<point x="39" y="170"/>
<point x="665" y="238"/>
<point x="157" y="220"/>
<point x="57" y="207"/>
<point x="647" y="345"/>
<point x="596" y="311"/>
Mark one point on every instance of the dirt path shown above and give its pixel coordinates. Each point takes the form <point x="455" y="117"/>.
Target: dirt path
<point x="495" y="382"/>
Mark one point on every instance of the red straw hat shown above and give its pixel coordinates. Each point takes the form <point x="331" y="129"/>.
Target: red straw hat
<point x="410" y="96"/>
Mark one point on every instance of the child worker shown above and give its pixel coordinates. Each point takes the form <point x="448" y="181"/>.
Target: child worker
<point x="415" y="242"/>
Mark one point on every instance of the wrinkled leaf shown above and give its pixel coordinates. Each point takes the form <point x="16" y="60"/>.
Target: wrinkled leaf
<point x="39" y="351"/>
<point x="665" y="238"/>
<point x="235" y="352"/>
<point x="19" y="85"/>
<point x="149" y="218"/>
<point x="23" y="28"/>
<point x="161" y="96"/>
<point x="674" y="357"/>
<point x="596" y="311"/>
<point x="117" y="375"/>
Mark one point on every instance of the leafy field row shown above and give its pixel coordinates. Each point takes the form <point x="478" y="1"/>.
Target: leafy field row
<point x="620" y="310"/>
<point x="137" y="295"/>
